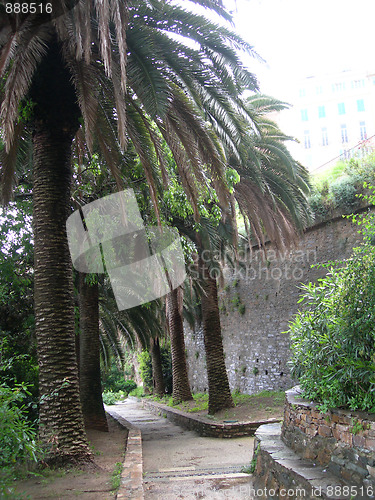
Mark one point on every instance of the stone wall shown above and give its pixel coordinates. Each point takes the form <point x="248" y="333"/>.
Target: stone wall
<point x="342" y="441"/>
<point x="257" y="303"/>
<point x="202" y="425"/>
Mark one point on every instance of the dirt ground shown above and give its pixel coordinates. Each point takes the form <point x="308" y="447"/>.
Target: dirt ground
<point x="93" y="483"/>
<point x="254" y="409"/>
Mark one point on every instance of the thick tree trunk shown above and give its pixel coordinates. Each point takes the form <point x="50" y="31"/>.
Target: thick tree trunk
<point x="61" y="423"/>
<point x="55" y="122"/>
<point x="219" y="395"/>
<point x="157" y="371"/>
<point x="90" y="384"/>
<point x="181" y="386"/>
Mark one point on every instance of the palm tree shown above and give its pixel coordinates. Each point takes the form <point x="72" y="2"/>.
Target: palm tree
<point x="51" y="65"/>
<point x="157" y="369"/>
<point x="181" y="386"/>
<point x="89" y="360"/>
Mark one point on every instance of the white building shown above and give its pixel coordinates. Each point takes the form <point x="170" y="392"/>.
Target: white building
<point x="333" y="117"/>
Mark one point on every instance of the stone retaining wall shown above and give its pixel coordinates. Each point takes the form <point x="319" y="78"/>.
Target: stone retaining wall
<point x="203" y="427"/>
<point x="257" y="303"/>
<point x="341" y="440"/>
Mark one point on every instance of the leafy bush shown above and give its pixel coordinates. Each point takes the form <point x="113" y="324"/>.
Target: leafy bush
<point x="137" y="393"/>
<point x="333" y="339"/>
<point x="145" y="368"/>
<point x="18" y="445"/>
<point x="113" y="380"/>
<point x="110" y="398"/>
<point x="17" y="435"/>
<point x="338" y="187"/>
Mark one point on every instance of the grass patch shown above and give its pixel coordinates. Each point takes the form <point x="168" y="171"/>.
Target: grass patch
<point x="265" y="401"/>
<point x="116" y="476"/>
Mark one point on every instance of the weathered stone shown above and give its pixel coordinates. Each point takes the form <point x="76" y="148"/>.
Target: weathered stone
<point x="370" y="444"/>
<point x="325" y="431"/>
<point x="359" y="441"/>
<point x="346" y="437"/>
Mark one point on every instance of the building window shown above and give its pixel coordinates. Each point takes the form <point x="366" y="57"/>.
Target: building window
<point x="324" y="136"/>
<point x="302" y="92"/>
<point x="307" y="142"/>
<point x="322" y="111"/>
<point x="304" y="116"/>
<point x="344" y="134"/>
<point x="319" y="90"/>
<point x="341" y="107"/>
<point x="357" y="84"/>
<point x="362" y="130"/>
<point x="360" y="105"/>
<point x="338" y="87"/>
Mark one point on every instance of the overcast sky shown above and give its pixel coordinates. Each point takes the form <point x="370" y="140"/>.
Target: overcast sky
<point x="306" y="37"/>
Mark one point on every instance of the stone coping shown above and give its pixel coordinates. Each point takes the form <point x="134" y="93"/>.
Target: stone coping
<point x="131" y="487"/>
<point x="205" y="427"/>
<point x="280" y="469"/>
<point x="294" y="397"/>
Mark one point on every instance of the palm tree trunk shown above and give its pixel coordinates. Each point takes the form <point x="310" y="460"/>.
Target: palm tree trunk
<point x="90" y="384"/>
<point x="157" y="371"/>
<point x="219" y="395"/>
<point x="61" y="424"/>
<point x="181" y="386"/>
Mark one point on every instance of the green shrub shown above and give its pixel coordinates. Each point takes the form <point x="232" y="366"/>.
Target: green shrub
<point x="129" y="386"/>
<point x="137" y="393"/>
<point x="145" y="368"/>
<point x="337" y="187"/>
<point x="344" y="192"/>
<point x="114" y="380"/>
<point x="18" y="445"/>
<point x="110" y="398"/>
<point x="17" y="435"/>
<point x="333" y="339"/>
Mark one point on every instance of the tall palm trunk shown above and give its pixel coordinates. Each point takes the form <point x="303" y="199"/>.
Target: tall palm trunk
<point x="219" y="395"/>
<point x="60" y="415"/>
<point x="55" y="122"/>
<point x="181" y="386"/>
<point x="90" y="384"/>
<point x="157" y="370"/>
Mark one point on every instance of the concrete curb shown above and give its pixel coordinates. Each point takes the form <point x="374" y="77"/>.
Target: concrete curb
<point x="204" y="427"/>
<point x="131" y="487"/>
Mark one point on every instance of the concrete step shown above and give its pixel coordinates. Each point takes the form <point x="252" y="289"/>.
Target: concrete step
<point x="282" y="474"/>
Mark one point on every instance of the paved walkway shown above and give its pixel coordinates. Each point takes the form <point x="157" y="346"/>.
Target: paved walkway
<point x="179" y="464"/>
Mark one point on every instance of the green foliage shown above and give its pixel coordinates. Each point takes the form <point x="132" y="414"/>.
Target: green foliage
<point x="113" y="380"/>
<point x="18" y="445"/>
<point x="137" y="393"/>
<point x="18" y="362"/>
<point x="145" y="368"/>
<point x="339" y="187"/>
<point x="116" y="476"/>
<point x="333" y="339"/>
<point x="110" y="398"/>
<point x="358" y="427"/>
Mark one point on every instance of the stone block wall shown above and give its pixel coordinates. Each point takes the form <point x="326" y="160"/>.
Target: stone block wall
<point x="343" y="441"/>
<point x="257" y="303"/>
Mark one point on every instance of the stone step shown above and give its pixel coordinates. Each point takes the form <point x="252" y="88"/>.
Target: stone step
<point x="282" y="474"/>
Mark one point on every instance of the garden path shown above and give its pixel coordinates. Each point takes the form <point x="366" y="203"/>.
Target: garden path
<point x="180" y="464"/>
